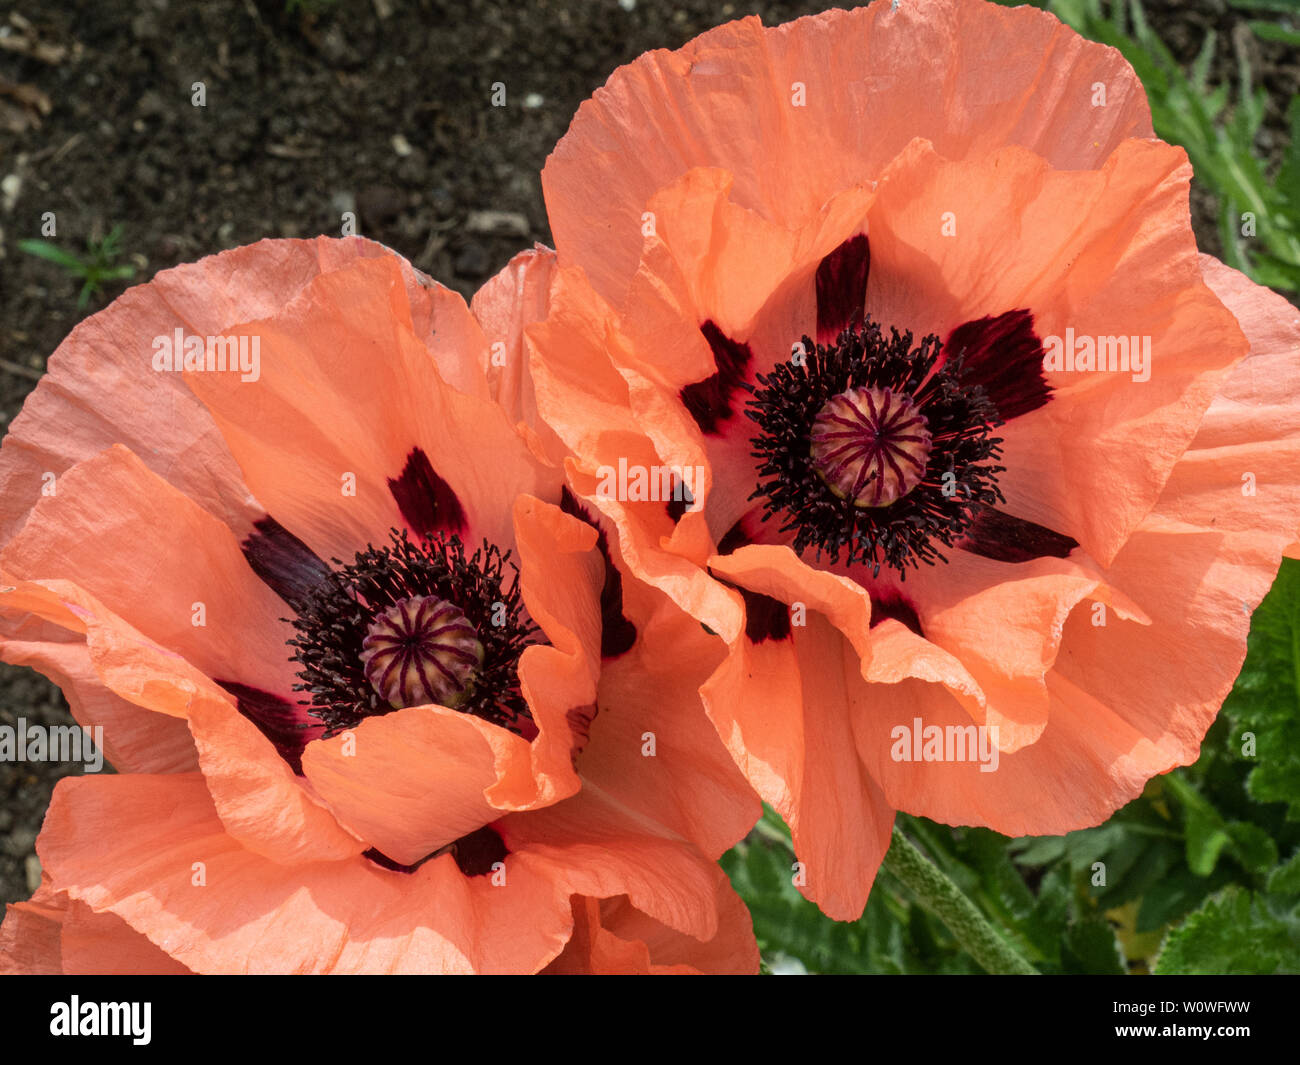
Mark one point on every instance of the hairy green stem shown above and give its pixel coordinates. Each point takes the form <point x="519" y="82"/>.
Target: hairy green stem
<point x="941" y="897"/>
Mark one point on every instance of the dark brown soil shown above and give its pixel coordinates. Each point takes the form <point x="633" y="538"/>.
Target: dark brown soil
<point x="375" y="106"/>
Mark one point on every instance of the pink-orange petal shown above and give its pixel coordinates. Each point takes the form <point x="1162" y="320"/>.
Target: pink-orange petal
<point x="651" y="747"/>
<point x="415" y="780"/>
<point x="561" y="577"/>
<point x="161" y="562"/>
<point x="346" y="391"/>
<point x="589" y="845"/>
<point x="151" y="850"/>
<point x="102" y="375"/>
<point x="135" y="740"/>
<point x="831" y="98"/>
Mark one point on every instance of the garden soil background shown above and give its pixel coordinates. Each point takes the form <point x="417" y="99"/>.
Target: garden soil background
<point x="379" y="107"/>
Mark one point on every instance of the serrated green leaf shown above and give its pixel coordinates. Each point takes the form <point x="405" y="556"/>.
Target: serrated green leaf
<point x="1232" y="934"/>
<point x="1252" y="847"/>
<point x="1285" y="879"/>
<point x="1265" y="702"/>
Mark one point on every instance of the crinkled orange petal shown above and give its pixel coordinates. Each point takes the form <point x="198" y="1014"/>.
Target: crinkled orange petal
<point x="161" y="562"/>
<point x="256" y="791"/>
<point x="779" y="707"/>
<point x="1131" y="700"/>
<point x="102" y="944"/>
<point x="842" y="826"/>
<point x="1087" y="762"/>
<point x="347" y="388"/>
<point x="561" y="575"/>
<point x="590" y="846"/>
<point x="258" y="798"/>
<point x="135" y="740"/>
<point x="732" y="951"/>
<point x="412" y="781"/>
<point x="132" y="666"/>
<point x="138" y="846"/>
<point x="586" y="400"/>
<point x="31" y="934"/>
<point x="506" y="304"/>
<point x="800" y="111"/>
<point x="101" y="378"/>
<point x="1003" y="622"/>
<point x="712" y="260"/>
<point x="650" y="745"/>
<point x="611" y="937"/>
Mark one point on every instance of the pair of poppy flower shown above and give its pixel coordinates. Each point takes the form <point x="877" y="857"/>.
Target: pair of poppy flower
<point x="394" y="681"/>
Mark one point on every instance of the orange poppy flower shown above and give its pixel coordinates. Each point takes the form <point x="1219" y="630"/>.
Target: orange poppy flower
<point x="987" y="466"/>
<point x="347" y="636"/>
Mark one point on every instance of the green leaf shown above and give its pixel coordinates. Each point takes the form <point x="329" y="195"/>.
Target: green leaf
<point x="1252" y="847"/>
<point x="1170" y="898"/>
<point x="1285" y="879"/>
<point x="1201" y="65"/>
<point x="1206" y="839"/>
<point x="1037" y="850"/>
<point x="1288" y="175"/>
<point x="1271" y="31"/>
<point x="1232" y="934"/>
<point x="1090" y="948"/>
<point x="1289" y="6"/>
<point x="1264" y="706"/>
<point x="43" y="249"/>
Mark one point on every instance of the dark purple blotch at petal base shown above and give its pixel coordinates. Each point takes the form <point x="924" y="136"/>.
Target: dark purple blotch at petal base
<point x="1004" y="538"/>
<point x="765" y="618"/>
<point x="842" y="288"/>
<point x="887" y="605"/>
<point x="712" y="401"/>
<point x="426" y="501"/>
<point x="1004" y="355"/>
<point x="283" y="562"/>
<point x="287" y="725"/>
<point x="617" y="634"/>
<point x="678" y="507"/>
<point x="734" y="539"/>
<point x="475" y="854"/>
<point x="750" y="528"/>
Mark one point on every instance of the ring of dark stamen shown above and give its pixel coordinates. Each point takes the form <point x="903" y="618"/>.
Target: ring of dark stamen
<point x="913" y="528"/>
<point x="334" y="617"/>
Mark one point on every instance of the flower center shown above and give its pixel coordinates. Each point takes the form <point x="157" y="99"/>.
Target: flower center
<point x="870" y="445"/>
<point x="874" y="449"/>
<point x="421" y="650"/>
<point x="413" y="624"/>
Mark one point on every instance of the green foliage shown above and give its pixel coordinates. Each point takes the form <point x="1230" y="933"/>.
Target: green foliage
<point x="93" y="269"/>
<point x="1236" y="933"/>
<point x="1265" y="702"/>
<point x="1217" y="125"/>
